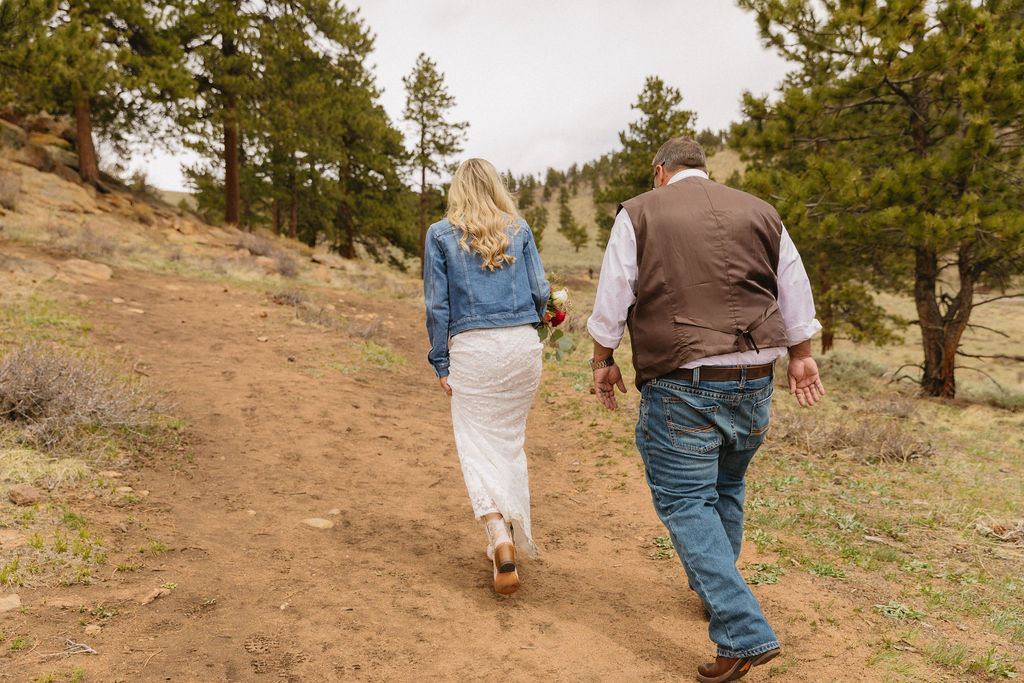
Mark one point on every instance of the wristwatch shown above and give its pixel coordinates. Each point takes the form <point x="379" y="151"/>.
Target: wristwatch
<point x="598" y="364"/>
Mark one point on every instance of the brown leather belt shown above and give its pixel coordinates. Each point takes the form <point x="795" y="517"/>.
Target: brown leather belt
<point x="721" y="373"/>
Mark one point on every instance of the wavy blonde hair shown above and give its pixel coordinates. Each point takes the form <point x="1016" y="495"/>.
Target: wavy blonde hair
<point x="480" y="204"/>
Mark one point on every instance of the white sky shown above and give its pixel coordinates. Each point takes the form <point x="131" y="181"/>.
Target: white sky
<point x="549" y="83"/>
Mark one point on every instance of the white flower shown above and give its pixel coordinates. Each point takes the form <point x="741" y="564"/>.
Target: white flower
<point x="561" y="297"/>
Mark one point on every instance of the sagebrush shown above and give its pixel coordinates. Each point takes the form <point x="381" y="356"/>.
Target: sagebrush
<point x="57" y="402"/>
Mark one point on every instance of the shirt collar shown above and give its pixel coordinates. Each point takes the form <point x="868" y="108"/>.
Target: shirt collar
<point x="688" y="173"/>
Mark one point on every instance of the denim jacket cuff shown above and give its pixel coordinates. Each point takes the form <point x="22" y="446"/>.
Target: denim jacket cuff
<point x="441" y="370"/>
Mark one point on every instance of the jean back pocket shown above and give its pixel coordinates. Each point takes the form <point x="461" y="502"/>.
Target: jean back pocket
<point x="692" y="428"/>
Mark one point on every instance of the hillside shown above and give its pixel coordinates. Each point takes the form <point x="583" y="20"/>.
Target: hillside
<point x="302" y="515"/>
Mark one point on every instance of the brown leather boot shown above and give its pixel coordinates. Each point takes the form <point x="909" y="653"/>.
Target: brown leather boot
<point x="506" y="578"/>
<point x="730" y="668"/>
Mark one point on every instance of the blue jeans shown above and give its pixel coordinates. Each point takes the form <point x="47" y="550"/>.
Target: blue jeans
<point x="696" y="440"/>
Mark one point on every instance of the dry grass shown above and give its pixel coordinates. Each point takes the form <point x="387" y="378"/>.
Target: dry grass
<point x="28" y="466"/>
<point x="306" y="310"/>
<point x="63" y="404"/>
<point x="290" y="297"/>
<point x="258" y="245"/>
<point x="871" y="437"/>
<point x="86" y="244"/>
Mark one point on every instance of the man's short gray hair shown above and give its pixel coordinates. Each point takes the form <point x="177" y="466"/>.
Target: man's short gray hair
<point x="680" y="153"/>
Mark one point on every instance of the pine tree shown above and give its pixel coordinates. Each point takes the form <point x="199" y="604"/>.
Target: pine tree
<point x="526" y="198"/>
<point x="110" y="64"/>
<point x="220" y="38"/>
<point x="317" y="154"/>
<point x="903" y="122"/>
<point x="661" y="119"/>
<point x="537" y="218"/>
<point x="567" y="225"/>
<point x="435" y="138"/>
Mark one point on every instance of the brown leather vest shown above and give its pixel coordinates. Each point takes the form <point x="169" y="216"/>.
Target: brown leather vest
<point x="707" y="261"/>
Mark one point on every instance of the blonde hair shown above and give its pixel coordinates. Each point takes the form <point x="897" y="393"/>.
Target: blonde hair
<point x="480" y="204"/>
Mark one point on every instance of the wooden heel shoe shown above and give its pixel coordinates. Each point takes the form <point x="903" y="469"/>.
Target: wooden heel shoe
<point x="506" y="578"/>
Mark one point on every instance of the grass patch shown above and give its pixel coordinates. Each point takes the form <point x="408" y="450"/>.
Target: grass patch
<point x="899" y="611"/>
<point x="663" y="548"/>
<point x="20" y="465"/>
<point x="764" y="573"/>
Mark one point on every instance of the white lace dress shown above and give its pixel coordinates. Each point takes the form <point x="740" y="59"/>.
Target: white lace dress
<point x="494" y="374"/>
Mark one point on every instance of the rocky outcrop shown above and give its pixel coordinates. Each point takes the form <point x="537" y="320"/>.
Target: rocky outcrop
<point x="45" y="148"/>
<point x="11" y="136"/>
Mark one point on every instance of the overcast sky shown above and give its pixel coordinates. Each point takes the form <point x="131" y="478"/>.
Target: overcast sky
<point x="550" y="83"/>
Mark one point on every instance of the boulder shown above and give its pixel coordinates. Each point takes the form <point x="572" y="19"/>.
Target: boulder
<point x="87" y="270"/>
<point x="25" y="495"/>
<point x="46" y="124"/>
<point x="11" y="135"/>
<point x="36" y="156"/>
<point x="48" y="139"/>
<point x="63" y="156"/>
<point x="65" y="173"/>
<point x="52" y="193"/>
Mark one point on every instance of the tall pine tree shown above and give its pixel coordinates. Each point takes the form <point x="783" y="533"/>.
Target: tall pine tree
<point x="917" y="105"/>
<point x="567" y="225"/>
<point x="110" y="64"/>
<point x="435" y="138"/>
<point x="661" y="118"/>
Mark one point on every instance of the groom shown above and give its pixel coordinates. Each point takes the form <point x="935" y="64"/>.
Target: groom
<point x="713" y="291"/>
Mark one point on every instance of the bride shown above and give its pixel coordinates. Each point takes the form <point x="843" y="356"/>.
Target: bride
<point x="485" y="291"/>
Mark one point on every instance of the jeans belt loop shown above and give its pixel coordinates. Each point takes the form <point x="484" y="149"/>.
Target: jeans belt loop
<point x="743" y="376"/>
<point x="696" y="376"/>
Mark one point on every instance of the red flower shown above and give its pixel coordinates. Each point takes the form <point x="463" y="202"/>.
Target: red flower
<point x="558" y="319"/>
<point x="547" y="318"/>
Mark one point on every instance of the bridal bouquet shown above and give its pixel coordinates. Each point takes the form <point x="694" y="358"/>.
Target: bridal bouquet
<point x="558" y="308"/>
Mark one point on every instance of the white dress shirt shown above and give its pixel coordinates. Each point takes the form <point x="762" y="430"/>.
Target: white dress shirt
<point x="616" y="292"/>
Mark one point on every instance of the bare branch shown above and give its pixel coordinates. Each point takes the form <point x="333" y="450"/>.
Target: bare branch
<point x="72" y="648"/>
<point x="981" y="372"/>
<point x="1000" y="356"/>
<point x="997" y="298"/>
<point x="988" y="329"/>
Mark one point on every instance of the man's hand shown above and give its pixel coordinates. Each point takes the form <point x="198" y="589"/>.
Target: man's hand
<point x="804" y="382"/>
<point x="605" y="381"/>
<point x="444" y="385"/>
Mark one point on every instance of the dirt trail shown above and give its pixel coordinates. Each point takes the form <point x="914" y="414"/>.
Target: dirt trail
<point x="399" y="588"/>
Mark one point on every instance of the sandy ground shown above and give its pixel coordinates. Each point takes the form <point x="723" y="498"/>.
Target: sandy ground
<point x="399" y="588"/>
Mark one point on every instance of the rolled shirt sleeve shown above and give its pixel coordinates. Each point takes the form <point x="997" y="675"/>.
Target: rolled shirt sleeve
<point x="616" y="288"/>
<point x="796" y="303"/>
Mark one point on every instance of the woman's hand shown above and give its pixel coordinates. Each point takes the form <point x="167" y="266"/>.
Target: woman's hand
<point x="444" y="385"/>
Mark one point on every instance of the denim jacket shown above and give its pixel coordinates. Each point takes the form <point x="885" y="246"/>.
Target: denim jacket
<point x="461" y="294"/>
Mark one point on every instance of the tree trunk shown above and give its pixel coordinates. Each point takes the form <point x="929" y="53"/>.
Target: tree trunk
<point x="941" y="332"/>
<point x="346" y="226"/>
<point x="293" y="218"/>
<point x="276" y="213"/>
<point x="828" y="311"/>
<point x="231" y="189"/>
<point x="423" y="215"/>
<point x="88" y="168"/>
